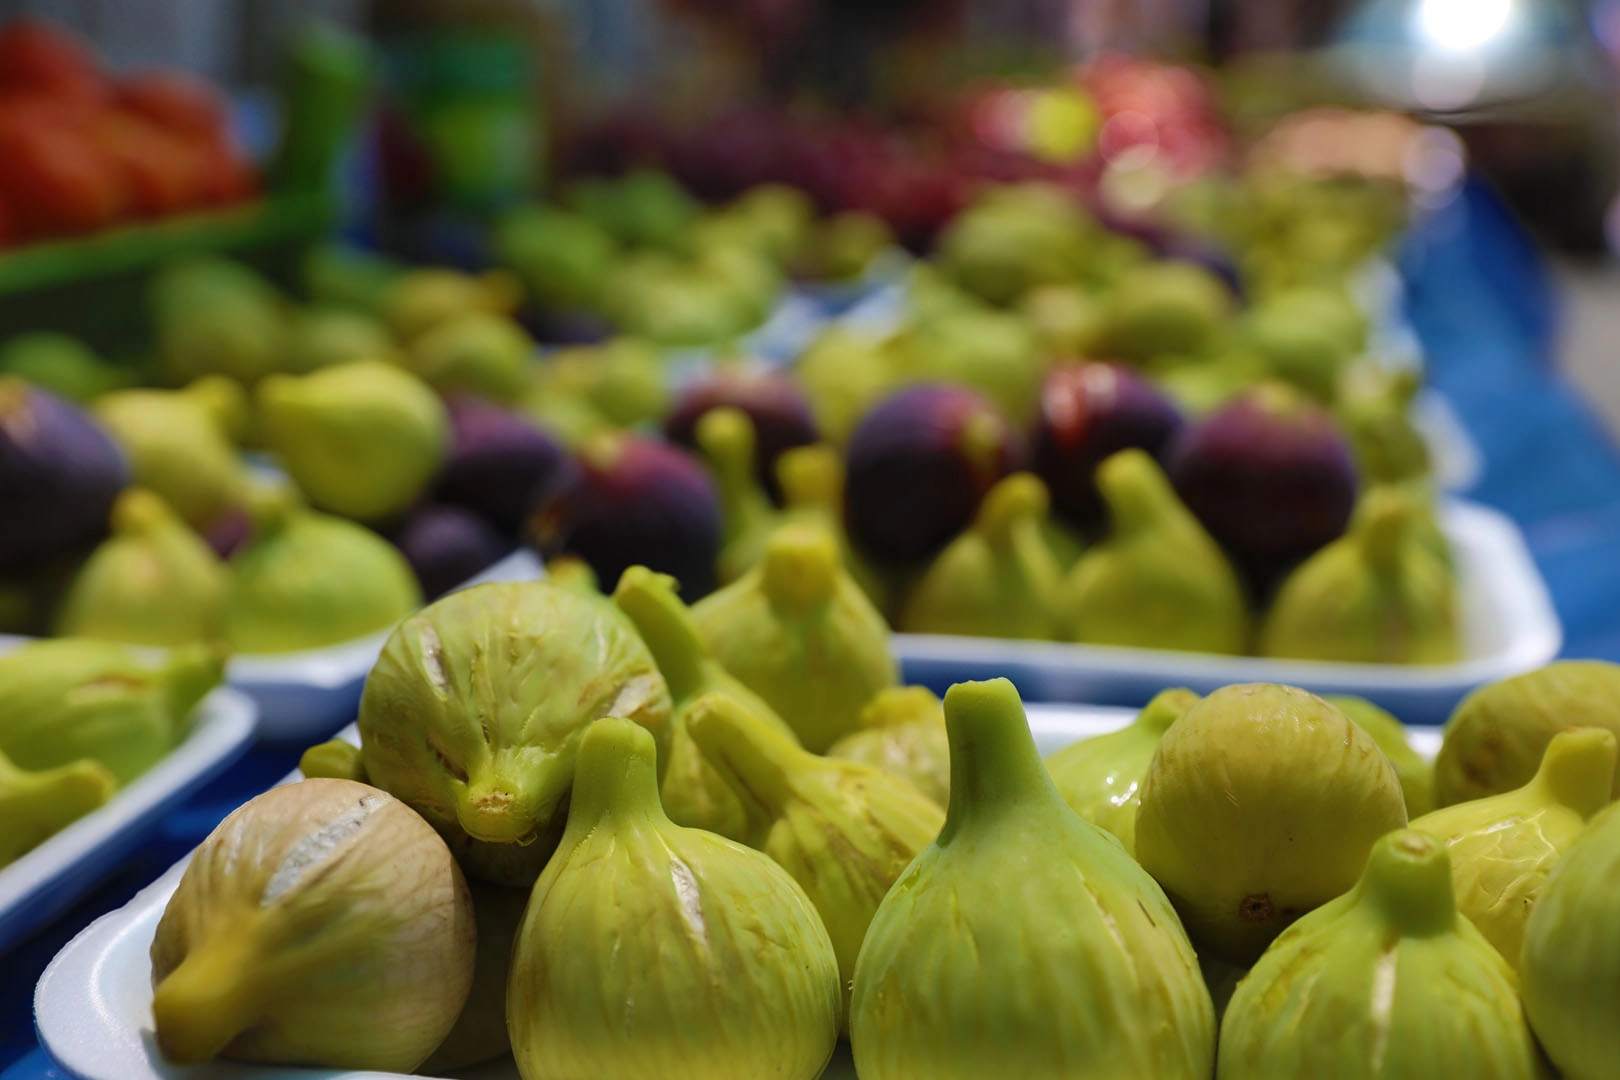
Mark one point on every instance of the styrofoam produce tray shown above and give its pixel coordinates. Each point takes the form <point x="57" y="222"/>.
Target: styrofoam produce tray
<point x="37" y="887"/>
<point x="1508" y="618"/>
<point x="93" y="1006"/>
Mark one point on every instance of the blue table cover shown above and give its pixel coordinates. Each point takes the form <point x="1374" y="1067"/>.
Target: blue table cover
<point x="1483" y="304"/>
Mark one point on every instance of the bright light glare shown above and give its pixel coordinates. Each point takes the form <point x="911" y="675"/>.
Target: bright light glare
<point x="1463" y="24"/>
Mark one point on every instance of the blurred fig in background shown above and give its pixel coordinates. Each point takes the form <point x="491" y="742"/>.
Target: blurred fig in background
<point x="772" y="400"/>
<point x="1270" y="476"/>
<point x="447" y="546"/>
<point x="499" y="463"/>
<point x="1089" y="412"/>
<point x="918" y="465"/>
<point x="628" y="501"/>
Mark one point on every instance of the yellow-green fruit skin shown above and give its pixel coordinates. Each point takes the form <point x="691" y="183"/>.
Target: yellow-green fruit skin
<point x="1503" y="847"/>
<point x="1101" y="777"/>
<point x="903" y="732"/>
<point x="1415" y="772"/>
<point x="1024" y="941"/>
<point x="1496" y="738"/>
<point x="651" y="951"/>
<point x="362" y="440"/>
<point x="480" y="1031"/>
<point x="322" y="923"/>
<point x="1386" y="981"/>
<point x="176" y="450"/>
<point x="312" y="580"/>
<point x="1260" y="804"/>
<point x="36" y="805"/>
<point x="798" y="631"/>
<point x="474" y="711"/>
<point x="1571" y="964"/>
<point x="843" y="830"/>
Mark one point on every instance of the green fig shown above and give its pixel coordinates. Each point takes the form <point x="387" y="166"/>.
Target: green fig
<point x="477" y="353"/>
<point x="1158" y="580"/>
<point x="725" y="436"/>
<point x="61" y="364"/>
<point x="842" y="829"/>
<point x="1068" y="320"/>
<point x="1260" y="804"/>
<point x="843" y="247"/>
<point x="1201" y="385"/>
<point x="812" y="483"/>
<point x="69" y="699"/>
<point x="480" y="1033"/>
<point x="216" y="317"/>
<point x="323" y="337"/>
<point x="999" y="578"/>
<point x="176" y="450"/>
<point x="1387" y="980"/>
<point x="651" y="951"/>
<point x="992" y="352"/>
<point x="1375" y="409"/>
<point x="622" y="381"/>
<point x="954" y="981"/>
<point x="844" y="373"/>
<point x="474" y="711"/>
<point x="321" y="924"/>
<point x="1161" y="309"/>
<point x="308" y="580"/>
<point x="416" y="301"/>
<point x="903" y="731"/>
<point x="1101" y="777"/>
<point x="1377" y="595"/>
<point x="351" y="278"/>
<point x="572" y="572"/>
<point x="1503" y="846"/>
<point x="154" y="582"/>
<point x="780" y="216"/>
<point x="1496" y="738"/>
<point x="225" y="402"/>
<point x="1012" y="241"/>
<point x="35" y="805"/>
<point x="1413" y="770"/>
<point x="363" y="440"/>
<point x="563" y="259"/>
<point x="335" y="759"/>
<point x="797" y="631"/>
<point x="1307" y="336"/>
<point x="694" y="794"/>
<point x="1570" y="966"/>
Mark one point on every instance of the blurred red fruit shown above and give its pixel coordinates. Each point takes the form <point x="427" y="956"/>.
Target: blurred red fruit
<point x="55" y="179"/>
<point x="39" y="57"/>
<point x="162" y="173"/>
<point x="175" y="102"/>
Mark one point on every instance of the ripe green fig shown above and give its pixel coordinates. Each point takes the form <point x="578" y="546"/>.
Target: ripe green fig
<point x="1414" y="770"/>
<point x="1260" y="804"/>
<point x="1388" y="980"/>
<point x="1498" y="735"/>
<point x="1158" y="580"/>
<point x="1502" y="847"/>
<point x="474" y="711"/>
<point x="812" y="482"/>
<point x="1101" y="777"/>
<point x="952" y="982"/>
<point x="177" y="450"/>
<point x="476" y="353"/>
<point x="798" y="631"/>
<point x="726" y="438"/>
<point x="651" y="951"/>
<point x="35" y="805"/>
<point x="903" y="731"/>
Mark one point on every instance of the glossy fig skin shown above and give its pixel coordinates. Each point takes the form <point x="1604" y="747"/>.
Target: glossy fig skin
<point x="1089" y="412"/>
<point x="1416" y="772"/>
<point x="446" y="546"/>
<point x="918" y="465"/>
<point x="59" y="475"/>
<point x="499" y="462"/>
<point x="630" y="501"/>
<point x="774" y="403"/>
<point x="1269" y="475"/>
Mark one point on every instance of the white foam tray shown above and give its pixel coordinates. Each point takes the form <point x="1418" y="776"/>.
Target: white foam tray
<point x="1508" y="618"/>
<point x="46" y="881"/>
<point x="93" y="1006"/>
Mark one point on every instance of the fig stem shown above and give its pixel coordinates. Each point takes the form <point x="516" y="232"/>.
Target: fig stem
<point x="1385" y="524"/>
<point x="726" y="437"/>
<point x="995" y="766"/>
<point x="1135" y="489"/>
<point x="799" y="572"/>
<point x="755" y="762"/>
<point x="204" y="1004"/>
<point x="1577" y="769"/>
<point x="333" y="760"/>
<point x="1017" y="501"/>
<point x="811" y="477"/>
<point x="1408" y="881"/>
<point x="616" y="773"/>
<point x="139" y="512"/>
<point x="665" y="626"/>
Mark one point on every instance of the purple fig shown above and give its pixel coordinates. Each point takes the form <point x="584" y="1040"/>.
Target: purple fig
<point x="628" y="501"/>
<point x="446" y="546"/>
<point x="59" y="475"/>
<point x="918" y="465"/>
<point x="1270" y="476"/>
<point x="1091" y="411"/>
<point x="773" y="401"/>
<point x="499" y="463"/>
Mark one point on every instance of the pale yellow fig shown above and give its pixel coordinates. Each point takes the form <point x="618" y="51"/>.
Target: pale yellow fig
<point x="177" y="450"/>
<point x="323" y="924"/>
<point x="903" y="732"/>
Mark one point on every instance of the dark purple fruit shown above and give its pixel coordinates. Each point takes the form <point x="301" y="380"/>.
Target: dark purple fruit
<point x="773" y="401"/>
<point x="59" y="475"/>
<point x="1090" y="411"/>
<point x="1270" y="475"/>
<point x="446" y="546"/>
<point x="499" y="463"/>
<point x="629" y="501"/>
<point x="918" y="465"/>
